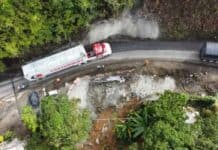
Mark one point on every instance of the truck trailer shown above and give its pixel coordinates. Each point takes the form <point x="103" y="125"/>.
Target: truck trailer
<point x="71" y="57"/>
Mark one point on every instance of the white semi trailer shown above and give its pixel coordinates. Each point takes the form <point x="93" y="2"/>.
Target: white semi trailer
<point x="71" y="57"/>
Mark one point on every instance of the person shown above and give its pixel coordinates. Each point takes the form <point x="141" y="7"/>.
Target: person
<point x="58" y="80"/>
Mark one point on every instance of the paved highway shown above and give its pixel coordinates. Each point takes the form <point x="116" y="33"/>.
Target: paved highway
<point x="155" y="45"/>
<point x="176" y="51"/>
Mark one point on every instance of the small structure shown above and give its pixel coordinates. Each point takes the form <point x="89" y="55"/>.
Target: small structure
<point x="53" y="92"/>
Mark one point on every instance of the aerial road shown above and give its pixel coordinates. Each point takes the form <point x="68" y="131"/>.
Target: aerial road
<point x="170" y="51"/>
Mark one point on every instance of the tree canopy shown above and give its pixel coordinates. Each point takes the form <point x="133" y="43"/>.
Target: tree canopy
<point x="61" y="124"/>
<point x="161" y="125"/>
<point x="24" y="24"/>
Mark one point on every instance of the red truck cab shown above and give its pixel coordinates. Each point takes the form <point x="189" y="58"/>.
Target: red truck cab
<point x="100" y="50"/>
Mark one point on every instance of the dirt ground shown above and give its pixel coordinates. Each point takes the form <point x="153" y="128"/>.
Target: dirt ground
<point x="186" y="19"/>
<point x="102" y="134"/>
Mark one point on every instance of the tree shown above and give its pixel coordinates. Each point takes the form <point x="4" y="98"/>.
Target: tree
<point x="61" y="124"/>
<point x="134" y="127"/>
<point x="161" y="124"/>
<point x="34" y="23"/>
<point x="29" y="118"/>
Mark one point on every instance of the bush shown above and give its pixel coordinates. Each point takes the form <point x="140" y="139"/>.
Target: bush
<point x="199" y="101"/>
<point x="61" y="124"/>
<point x="208" y="138"/>
<point x="1" y="138"/>
<point x="29" y="118"/>
<point x="206" y="112"/>
<point x="35" y="143"/>
<point x="8" y="136"/>
<point x="160" y="124"/>
<point x="2" y="67"/>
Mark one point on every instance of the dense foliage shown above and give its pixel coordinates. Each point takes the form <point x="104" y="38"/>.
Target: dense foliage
<point x="7" y="136"/>
<point x="209" y="133"/>
<point x="37" y="22"/>
<point x="29" y="118"/>
<point x="61" y="125"/>
<point x="161" y="125"/>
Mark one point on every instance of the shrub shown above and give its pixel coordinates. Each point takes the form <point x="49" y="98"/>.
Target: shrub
<point x="2" y="67"/>
<point x="160" y="124"/>
<point x="62" y="124"/>
<point x="29" y="118"/>
<point x="1" y="138"/>
<point x="8" y="136"/>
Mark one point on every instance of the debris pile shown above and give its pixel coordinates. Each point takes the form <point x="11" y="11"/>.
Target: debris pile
<point x="101" y="91"/>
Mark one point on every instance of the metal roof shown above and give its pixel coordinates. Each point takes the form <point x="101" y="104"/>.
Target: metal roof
<point x="211" y="48"/>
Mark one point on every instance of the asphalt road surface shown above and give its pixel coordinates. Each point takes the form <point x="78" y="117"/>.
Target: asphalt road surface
<point x="172" y="51"/>
<point x="155" y="45"/>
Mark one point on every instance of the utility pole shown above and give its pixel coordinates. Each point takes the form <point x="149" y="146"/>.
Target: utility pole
<point x="12" y="76"/>
<point x="15" y="94"/>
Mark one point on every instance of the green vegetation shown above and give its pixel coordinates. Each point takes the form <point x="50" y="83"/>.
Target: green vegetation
<point x="9" y="135"/>
<point x="33" y="23"/>
<point x="1" y="138"/>
<point x="209" y="133"/>
<point x="160" y="124"/>
<point x="61" y="124"/>
<point x="29" y="118"/>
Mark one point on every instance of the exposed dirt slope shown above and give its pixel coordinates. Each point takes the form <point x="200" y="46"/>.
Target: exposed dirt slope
<point x="186" y="19"/>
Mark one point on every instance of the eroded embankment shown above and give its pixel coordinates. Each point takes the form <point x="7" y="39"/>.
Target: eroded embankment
<point x="109" y="90"/>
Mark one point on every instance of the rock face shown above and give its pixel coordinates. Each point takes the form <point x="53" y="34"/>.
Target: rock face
<point x="98" y="93"/>
<point x="79" y="89"/>
<point x="147" y="85"/>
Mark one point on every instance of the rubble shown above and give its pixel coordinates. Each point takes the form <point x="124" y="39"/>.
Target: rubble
<point x="191" y="113"/>
<point x="101" y="91"/>
<point x="15" y="144"/>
